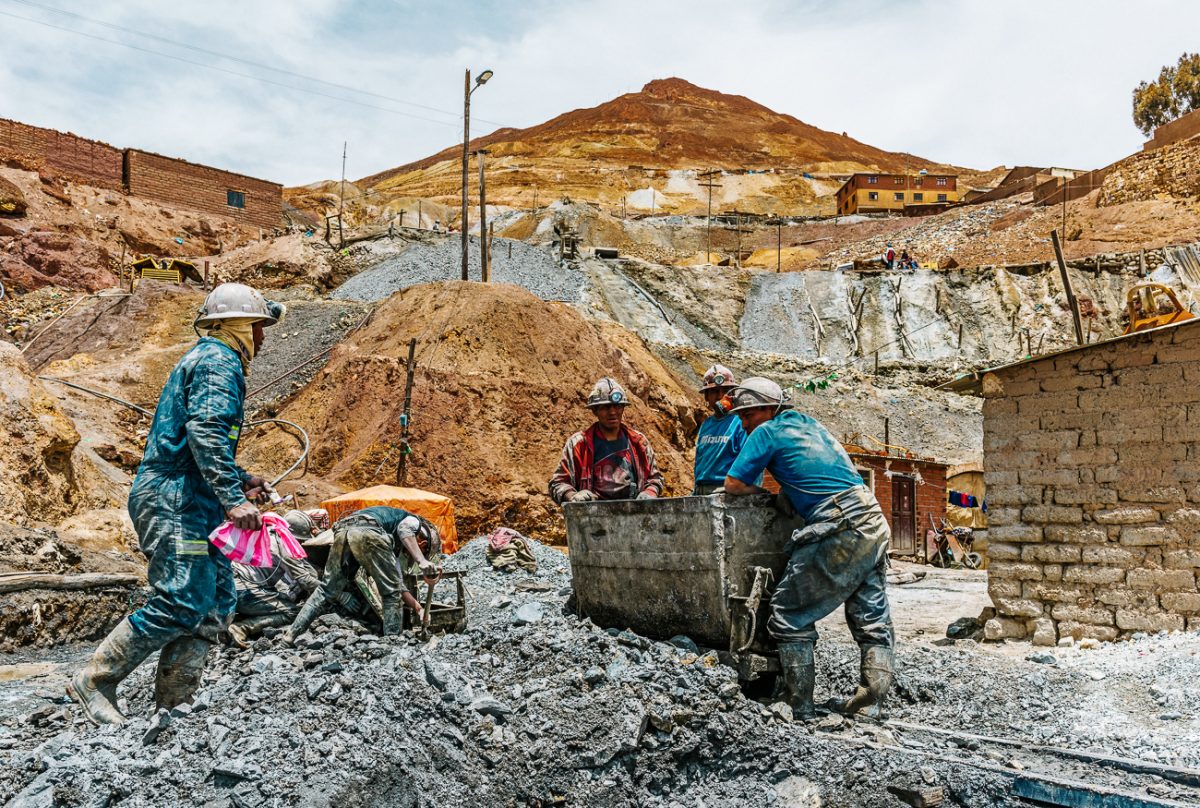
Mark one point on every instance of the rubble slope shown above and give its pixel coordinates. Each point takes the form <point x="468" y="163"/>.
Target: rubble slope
<point x="501" y="379"/>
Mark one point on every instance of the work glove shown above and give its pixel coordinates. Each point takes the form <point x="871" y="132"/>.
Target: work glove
<point x="583" y="496"/>
<point x="257" y="488"/>
<point x="647" y="495"/>
<point x="245" y="516"/>
<point x="783" y="504"/>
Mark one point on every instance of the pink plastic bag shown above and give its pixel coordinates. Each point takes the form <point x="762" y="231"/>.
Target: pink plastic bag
<point x="253" y="547"/>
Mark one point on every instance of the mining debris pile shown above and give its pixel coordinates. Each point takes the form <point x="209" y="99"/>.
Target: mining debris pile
<point x="515" y="262"/>
<point x="529" y="706"/>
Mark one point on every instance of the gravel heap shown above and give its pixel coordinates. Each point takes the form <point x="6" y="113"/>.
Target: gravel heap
<point x="309" y="327"/>
<point x="530" y="705"/>
<point x="534" y="268"/>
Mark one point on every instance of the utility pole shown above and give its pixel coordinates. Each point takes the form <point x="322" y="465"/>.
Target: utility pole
<point x="778" y="245"/>
<point x="535" y="207"/>
<point x="737" y="218"/>
<point x="480" y="80"/>
<point x="709" y="184"/>
<point x="419" y="214"/>
<point x="483" y="231"/>
<point x="1072" y="301"/>
<point x="465" y="159"/>
<point x="342" y="199"/>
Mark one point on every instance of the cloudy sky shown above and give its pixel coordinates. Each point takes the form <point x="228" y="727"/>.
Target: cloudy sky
<point x="273" y="87"/>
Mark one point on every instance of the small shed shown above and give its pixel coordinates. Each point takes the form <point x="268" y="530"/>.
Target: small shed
<point x="436" y="508"/>
<point x="966" y="481"/>
<point x="911" y="492"/>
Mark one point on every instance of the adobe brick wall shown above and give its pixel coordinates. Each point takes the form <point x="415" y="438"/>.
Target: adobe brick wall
<point x="1092" y="467"/>
<point x="87" y="161"/>
<point x="179" y="182"/>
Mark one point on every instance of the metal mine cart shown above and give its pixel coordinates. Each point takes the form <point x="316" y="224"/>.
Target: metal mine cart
<point x="703" y="567"/>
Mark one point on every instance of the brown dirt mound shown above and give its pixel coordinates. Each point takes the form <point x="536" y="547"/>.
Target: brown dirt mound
<point x="501" y="381"/>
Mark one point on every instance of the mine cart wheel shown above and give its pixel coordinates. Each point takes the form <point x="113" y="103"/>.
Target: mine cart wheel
<point x="761" y="688"/>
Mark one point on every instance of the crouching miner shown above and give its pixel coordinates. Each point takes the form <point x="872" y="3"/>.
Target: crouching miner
<point x="186" y="486"/>
<point x="839" y="557"/>
<point x="376" y="539"/>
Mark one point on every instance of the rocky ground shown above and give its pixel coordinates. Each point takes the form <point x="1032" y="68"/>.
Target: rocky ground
<point x="532" y="705"/>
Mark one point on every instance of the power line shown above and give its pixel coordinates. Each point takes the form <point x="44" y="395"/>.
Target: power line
<point x="231" y="72"/>
<point x="247" y="62"/>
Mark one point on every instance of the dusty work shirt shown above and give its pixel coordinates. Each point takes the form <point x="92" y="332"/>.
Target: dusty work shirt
<point x="719" y="441"/>
<point x="807" y="462"/>
<point x="612" y="470"/>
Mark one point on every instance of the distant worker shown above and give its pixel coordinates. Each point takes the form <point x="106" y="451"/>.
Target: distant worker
<point x="839" y="556"/>
<point x="906" y="261"/>
<point x="270" y="597"/>
<point x="186" y="486"/>
<point x="608" y="460"/>
<point x="721" y="435"/>
<point x="378" y="540"/>
<point x="889" y="257"/>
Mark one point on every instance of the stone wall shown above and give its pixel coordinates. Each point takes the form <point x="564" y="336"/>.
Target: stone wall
<point x="1172" y="171"/>
<point x="179" y="182"/>
<point x="1092" y="467"/>
<point x="79" y="159"/>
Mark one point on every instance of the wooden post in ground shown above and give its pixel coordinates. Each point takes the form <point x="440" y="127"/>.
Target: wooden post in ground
<point x="402" y="466"/>
<point x="778" y="245"/>
<point x="483" y="226"/>
<point x="1072" y="301"/>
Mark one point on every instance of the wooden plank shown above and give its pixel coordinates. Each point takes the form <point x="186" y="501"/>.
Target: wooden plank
<point x="1184" y="776"/>
<point x="20" y="581"/>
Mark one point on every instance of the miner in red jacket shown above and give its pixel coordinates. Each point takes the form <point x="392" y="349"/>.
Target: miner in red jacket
<point x="608" y="460"/>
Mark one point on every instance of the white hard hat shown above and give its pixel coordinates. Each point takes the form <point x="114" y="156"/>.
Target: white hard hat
<point x="758" y="392"/>
<point x="607" y="391"/>
<point x="231" y="300"/>
<point x="718" y="376"/>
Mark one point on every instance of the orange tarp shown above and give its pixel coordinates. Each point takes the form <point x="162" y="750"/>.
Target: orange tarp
<point x="436" y="508"/>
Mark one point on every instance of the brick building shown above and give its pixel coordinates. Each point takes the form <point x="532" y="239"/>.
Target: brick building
<point x="177" y="182"/>
<point x="247" y="200"/>
<point x="911" y="492"/>
<point x="901" y="193"/>
<point x="1092" y="466"/>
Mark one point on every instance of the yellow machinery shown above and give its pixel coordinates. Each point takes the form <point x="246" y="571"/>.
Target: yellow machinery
<point x="171" y="270"/>
<point x="1150" y="305"/>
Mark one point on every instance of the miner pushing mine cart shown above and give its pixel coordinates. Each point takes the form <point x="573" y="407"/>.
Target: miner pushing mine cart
<point x="702" y="567"/>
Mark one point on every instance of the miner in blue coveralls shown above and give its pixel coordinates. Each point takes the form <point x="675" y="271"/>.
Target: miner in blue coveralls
<point x="187" y="485"/>
<point x="721" y="435"/>
<point x="838" y="557"/>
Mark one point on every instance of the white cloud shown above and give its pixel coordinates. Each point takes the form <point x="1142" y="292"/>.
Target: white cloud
<point x="973" y="83"/>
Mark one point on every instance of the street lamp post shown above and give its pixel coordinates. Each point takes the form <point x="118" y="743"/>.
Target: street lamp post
<point x="480" y="80"/>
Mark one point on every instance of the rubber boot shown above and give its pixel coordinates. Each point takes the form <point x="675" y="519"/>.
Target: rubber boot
<point x="313" y="608"/>
<point x="243" y="631"/>
<point x="179" y="668"/>
<point x="878" y="671"/>
<point x="95" y="687"/>
<point x="393" y="616"/>
<point x="799" y="677"/>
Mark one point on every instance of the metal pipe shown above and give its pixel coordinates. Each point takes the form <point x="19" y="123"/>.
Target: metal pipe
<point x="303" y="458"/>
<point x="80" y="387"/>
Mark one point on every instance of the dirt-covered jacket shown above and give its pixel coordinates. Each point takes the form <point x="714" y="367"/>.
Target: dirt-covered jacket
<point x="575" y="468"/>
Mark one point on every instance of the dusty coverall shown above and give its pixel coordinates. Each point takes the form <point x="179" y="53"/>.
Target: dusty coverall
<point x="371" y="539"/>
<point x="185" y="484"/>
<point x="277" y="589"/>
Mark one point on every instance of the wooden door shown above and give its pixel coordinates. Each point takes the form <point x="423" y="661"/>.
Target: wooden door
<point x="904" y="516"/>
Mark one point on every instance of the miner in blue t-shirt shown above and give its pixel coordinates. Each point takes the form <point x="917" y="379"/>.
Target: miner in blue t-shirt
<point x="721" y="435"/>
<point x="839" y="556"/>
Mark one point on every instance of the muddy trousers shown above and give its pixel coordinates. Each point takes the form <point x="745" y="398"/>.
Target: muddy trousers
<point x="839" y="557"/>
<point x="358" y="545"/>
<point x="259" y="609"/>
